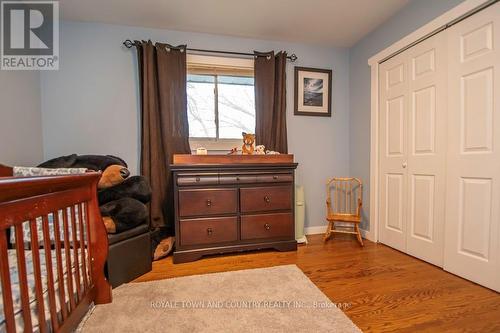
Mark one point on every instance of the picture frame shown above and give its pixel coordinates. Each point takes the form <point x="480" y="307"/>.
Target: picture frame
<point x="313" y="92"/>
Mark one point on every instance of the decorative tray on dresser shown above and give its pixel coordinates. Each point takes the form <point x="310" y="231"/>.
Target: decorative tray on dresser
<point x="230" y="203"/>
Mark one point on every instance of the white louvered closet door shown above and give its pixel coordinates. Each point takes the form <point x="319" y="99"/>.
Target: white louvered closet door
<point x="472" y="234"/>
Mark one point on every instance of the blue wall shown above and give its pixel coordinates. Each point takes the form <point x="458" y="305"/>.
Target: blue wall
<point x="408" y="19"/>
<point x="20" y="118"/>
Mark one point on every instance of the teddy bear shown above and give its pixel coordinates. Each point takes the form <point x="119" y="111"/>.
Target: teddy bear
<point x="122" y="198"/>
<point x="260" y="150"/>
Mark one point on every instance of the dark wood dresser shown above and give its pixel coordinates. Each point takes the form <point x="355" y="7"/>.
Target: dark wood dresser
<point x="232" y="203"/>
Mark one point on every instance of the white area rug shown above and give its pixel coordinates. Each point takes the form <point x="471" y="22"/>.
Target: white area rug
<point x="276" y="299"/>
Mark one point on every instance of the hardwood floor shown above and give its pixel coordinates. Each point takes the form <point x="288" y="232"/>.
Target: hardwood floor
<point x="388" y="291"/>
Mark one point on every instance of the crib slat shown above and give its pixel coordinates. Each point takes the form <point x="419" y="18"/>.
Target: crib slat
<point x="50" y="278"/>
<point x="69" y="276"/>
<point x="89" y="249"/>
<point x="23" y="279"/>
<point x="6" y="287"/>
<point x="60" y="273"/>
<point x="75" y="252"/>
<point x="38" y="277"/>
<point x="82" y="246"/>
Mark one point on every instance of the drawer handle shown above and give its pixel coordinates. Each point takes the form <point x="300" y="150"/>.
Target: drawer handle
<point x="275" y="177"/>
<point x="209" y="202"/>
<point x="237" y="178"/>
<point x="267" y="199"/>
<point x="267" y="226"/>
<point x="197" y="179"/>
<point x="209" y="231"/>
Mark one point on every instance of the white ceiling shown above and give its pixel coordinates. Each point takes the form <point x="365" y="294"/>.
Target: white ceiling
<point x="326" y="22"/>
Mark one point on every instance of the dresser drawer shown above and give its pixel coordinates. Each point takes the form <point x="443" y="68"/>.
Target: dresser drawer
<point x="207" y="202"/>
<point x="267" y="226"/>
<point x="275" y="178"/>
<point x="254" y="199"/>
<point x="197" y="180"/>
<point x="208" y="230"/>
<point x="237" y="179"/>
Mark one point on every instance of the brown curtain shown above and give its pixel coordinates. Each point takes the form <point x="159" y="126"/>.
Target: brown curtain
<point x="270" y="100"/>
<point x="164" y="121"/>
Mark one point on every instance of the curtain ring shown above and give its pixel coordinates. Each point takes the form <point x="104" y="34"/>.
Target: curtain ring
<point x="268" y="57"/>
<point x="167" y="48"/>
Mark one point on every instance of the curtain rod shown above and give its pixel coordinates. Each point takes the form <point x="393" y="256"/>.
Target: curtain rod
<point x="128" y="44"/>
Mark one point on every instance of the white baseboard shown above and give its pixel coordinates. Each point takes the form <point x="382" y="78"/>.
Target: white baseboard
<point x="370" y="235"/>
<point x="315" y="230"/>
<point x="322" y="228"/>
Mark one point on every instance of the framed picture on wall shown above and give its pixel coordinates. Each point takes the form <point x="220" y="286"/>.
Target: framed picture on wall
<point x="313" y="90"/>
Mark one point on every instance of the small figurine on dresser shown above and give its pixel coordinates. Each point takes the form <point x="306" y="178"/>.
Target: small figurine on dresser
<point x="249" y="147"/>
<point x="260" y="150"/>
<point x="248" y="144"/>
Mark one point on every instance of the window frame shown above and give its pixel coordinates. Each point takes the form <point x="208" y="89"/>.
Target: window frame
<point x="217" y="66"/>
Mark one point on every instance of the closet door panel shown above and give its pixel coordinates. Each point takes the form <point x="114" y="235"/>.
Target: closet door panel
<point x="472" y="233"/>
<point x="393" y="82"/>
<point x="427" y="149"/>
<point x="477" y="111"/>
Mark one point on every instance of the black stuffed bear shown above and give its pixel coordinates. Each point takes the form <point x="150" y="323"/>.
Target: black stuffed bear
<point x="122" y="199"/>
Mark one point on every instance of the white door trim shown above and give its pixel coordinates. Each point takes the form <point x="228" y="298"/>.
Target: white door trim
<point x="438" y="22"/>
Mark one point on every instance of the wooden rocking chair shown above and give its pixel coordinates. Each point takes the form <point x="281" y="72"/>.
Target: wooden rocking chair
<point x="344" y="206"/>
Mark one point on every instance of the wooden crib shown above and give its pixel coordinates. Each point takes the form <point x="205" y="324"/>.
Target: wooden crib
<point x="55" y="222"/>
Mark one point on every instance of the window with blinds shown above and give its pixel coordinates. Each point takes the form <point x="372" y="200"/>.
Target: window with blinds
<point x="221" y="101"/>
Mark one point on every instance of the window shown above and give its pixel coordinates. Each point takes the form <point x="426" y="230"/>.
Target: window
<point x="221" y="101"/>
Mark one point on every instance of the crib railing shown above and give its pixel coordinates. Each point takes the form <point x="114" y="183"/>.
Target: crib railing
<point x="54" y="220"/>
